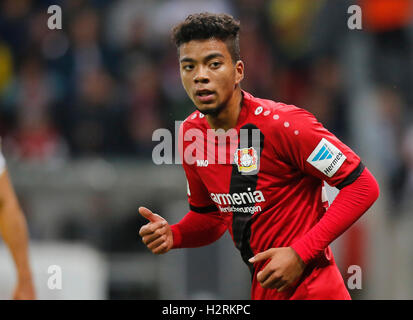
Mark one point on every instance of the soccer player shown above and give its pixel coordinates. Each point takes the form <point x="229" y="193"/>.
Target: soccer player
<point x="14" y="232"/>
<point x="270" y="197"/>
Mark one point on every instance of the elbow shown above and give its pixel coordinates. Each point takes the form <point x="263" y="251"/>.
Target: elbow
<point x="374" y="188"/>
<point x="376" y="191"/>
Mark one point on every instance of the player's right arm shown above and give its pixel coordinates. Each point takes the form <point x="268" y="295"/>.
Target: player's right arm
<point x="201" y="226"/>
<point x="156" y="234"/>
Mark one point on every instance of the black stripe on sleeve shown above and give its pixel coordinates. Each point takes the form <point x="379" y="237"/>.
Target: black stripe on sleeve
<point x="352" y="176"/>
<point x="207" y="209"/>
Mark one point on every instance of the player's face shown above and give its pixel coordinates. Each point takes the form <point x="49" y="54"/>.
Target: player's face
<point x="208" y="74"/>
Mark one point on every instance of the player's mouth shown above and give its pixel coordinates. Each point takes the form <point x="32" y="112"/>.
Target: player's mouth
<point x="205" y="95"/>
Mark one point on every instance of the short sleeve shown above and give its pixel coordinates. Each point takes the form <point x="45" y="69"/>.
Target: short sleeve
<point x="303" y="142"/>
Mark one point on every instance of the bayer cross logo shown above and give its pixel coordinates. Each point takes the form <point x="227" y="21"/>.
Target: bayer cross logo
<point x="246" y="159"/>
<point x="324" y="153"/>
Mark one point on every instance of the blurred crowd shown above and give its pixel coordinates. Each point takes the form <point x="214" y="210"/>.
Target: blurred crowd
<point x="103" y="83"/>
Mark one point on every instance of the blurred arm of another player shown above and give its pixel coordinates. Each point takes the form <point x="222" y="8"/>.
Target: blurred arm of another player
<point x="13" y="229"/>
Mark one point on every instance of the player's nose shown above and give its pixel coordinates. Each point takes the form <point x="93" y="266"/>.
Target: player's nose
<point x="201" y="80"/>
<point x="201" y="76"/>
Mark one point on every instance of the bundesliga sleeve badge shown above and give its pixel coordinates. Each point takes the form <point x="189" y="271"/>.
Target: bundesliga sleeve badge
<point x="326" y="157"/>
<point x="246" y="159"/>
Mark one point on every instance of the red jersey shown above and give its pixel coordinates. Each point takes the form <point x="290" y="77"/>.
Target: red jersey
<point x="269" y="192"/>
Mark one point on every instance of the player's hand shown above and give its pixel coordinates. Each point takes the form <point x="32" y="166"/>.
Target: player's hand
<point x="283" y="269"/>
<point x="157" y="234"/>
<point x="24" y="290"/>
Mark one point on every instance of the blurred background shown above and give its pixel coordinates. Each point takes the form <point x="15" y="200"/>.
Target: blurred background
<point x="78" y="107"/>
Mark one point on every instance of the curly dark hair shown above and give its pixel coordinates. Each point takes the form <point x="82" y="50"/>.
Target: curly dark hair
<point x="202" y="26"/>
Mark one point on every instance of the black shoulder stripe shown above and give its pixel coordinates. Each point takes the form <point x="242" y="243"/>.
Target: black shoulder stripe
<point x="352" y="176"/>
<point x="206" y="209"/>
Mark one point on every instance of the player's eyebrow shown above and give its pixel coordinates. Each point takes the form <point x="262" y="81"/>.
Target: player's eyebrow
<point x="186" y="59"/>
<point x="207" y="58"/>
<point x="213" y="55"/>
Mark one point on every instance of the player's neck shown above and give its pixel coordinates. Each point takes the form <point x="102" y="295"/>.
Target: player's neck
<point x="229" y="115"/>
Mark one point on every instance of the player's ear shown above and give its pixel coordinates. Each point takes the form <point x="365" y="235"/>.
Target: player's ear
<point x="239" y="71"/>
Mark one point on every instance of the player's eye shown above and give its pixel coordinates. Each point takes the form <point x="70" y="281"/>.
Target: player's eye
<point x="187" y="67"/>
<point x="215" y="64"/>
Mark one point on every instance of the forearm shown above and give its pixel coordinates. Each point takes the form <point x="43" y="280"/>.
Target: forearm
<point x="196" y="230"/>
<point x="349" y="205"/>
<point x="13" y="228"/>
<point x="14" y="232"/>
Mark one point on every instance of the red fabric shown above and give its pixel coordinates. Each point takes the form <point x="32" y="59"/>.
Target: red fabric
<point x="321" y="280"/>
<point x="198" y="230"/>
<point x="281" y="203"/>
<point x="349" y="205"/>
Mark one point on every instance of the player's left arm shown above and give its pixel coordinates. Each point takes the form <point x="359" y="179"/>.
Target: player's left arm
<point x="350" y="204"/>
<point x="13" y="230"/>
<point x="318" y="152"/>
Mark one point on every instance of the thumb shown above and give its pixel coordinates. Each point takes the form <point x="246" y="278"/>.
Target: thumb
<point x="148" y="214"/>
<point x="262" y="255"/>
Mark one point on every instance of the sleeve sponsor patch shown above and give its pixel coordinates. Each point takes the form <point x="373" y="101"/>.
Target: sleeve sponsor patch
<point x="327" y="158"/>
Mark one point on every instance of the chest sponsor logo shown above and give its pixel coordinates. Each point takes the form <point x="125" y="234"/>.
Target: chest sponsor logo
<point x="239" y="201"/>
<point x="326" y="157"/>
<point x="246" y="159"/>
